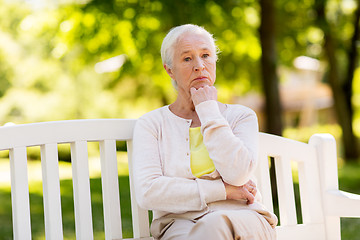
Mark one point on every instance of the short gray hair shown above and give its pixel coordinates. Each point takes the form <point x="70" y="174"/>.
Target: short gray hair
<point x="167" y="47"/>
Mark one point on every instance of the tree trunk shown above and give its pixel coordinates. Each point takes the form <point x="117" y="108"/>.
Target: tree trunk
<point x="270" y="82"/>
<point x="273" y="112"/>
<point x="342" y="91"/>
<point x="352" y="55"/>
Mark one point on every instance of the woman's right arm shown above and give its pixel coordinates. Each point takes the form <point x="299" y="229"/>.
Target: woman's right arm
<point x="162" y="193"/>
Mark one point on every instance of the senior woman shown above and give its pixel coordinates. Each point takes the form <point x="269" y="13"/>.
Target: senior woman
<point x="194" y="159"/>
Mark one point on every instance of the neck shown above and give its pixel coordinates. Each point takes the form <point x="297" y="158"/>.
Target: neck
<point x="184" y="108"/>
<point x="184" y="104"/>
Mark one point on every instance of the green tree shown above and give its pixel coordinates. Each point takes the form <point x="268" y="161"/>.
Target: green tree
<point x="341" y="86"/>
<point x="59" y="48"/>
<point x="48" y="56"/>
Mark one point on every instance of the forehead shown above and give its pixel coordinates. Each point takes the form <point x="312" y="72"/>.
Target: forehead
<point x="193" y="42"/>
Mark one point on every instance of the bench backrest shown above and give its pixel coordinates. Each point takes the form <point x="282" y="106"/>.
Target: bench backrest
<point x="289" y="157"/>
<point x="47" y="135"/>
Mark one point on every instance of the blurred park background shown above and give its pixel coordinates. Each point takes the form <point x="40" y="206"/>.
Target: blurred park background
<point x="295" y="62"/>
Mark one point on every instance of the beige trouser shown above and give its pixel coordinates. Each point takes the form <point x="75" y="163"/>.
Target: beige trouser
<point x="221" y="225"/>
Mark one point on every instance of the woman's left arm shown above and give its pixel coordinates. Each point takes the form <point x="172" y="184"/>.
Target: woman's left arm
<point x="233" y="149"/>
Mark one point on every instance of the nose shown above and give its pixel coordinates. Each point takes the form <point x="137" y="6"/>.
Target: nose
<point x="198" y="65"/>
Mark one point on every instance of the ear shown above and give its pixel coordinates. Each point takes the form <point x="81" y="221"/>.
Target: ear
<point x="169" y="71"/>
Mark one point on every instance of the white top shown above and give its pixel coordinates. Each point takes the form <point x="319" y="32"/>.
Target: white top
<point x="163" y="179"/>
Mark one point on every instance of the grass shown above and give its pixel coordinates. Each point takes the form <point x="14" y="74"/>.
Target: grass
<point x="66" y="189"/>
<point x="349" y="180"/>
<point x="36" y="208"/>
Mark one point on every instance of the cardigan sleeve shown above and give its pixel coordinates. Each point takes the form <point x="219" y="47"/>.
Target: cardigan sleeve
<point x="233" y="149"/>
<point x="155" y="191"/>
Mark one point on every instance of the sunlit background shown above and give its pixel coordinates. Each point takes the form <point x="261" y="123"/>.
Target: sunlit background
<point x="82" y="59"/>
<point x="100" y="59"/>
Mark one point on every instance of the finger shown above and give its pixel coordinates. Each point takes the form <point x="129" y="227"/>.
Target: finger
<point x="254" y="191"/>
<point x="251" y="183"/>
<point x="250" y="198"/>
<point x="246" y="194"/>
<point x="213" y="88"/>
<point x="192" y="90"/>
<point x="250" y="186"/>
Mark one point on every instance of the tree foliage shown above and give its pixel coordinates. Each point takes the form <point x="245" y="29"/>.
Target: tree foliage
<point x="52" y="76"/>
<point x="48" y="55"/>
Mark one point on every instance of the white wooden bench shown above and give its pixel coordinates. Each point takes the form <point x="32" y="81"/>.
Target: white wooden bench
<point x="322" y="204"/>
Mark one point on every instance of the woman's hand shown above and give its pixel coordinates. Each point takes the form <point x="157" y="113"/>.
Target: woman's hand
<point x="245" y="192"/>
<point x="203" y="94"/>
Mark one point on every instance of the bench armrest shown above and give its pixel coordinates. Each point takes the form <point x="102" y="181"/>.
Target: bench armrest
<point x="342" y="204"/>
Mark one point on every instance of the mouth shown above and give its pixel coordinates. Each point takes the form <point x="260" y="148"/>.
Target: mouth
<point x="200" y="78"/>
<point x="200" y="82"/>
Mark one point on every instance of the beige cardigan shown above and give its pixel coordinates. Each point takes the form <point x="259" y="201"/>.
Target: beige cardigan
<point x="163" y="179"/>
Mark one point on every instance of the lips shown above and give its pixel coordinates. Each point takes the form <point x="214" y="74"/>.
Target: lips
<point x="200" y="78"/>
<point x="200" y="81"/>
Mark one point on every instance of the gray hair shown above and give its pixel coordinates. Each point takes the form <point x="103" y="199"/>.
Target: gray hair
<point x="168" y="44"/>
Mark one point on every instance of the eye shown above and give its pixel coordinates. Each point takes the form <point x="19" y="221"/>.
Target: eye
<point x="205" y="55"/>
<point x="187" y="59"/>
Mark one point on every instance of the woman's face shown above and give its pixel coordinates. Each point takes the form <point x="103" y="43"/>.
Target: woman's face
<point x="194" y="62"/>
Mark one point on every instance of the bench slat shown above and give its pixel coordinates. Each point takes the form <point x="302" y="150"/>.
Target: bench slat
<point x="51" y="191"/>
<point x="310" y="192"/>
<point x="20" y="194"/>
<point x="140" y="217"/>
<point x="35" y="134"/>
<point x="325" y="145"/>
<point x="110" y="190"/>
<point x="286" y="195"/>
<point x="81" y="185"/>
<point x="263" y="181"/>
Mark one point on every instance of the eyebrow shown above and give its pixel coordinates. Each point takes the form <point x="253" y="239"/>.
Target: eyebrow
<point x="187" y="51"/>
